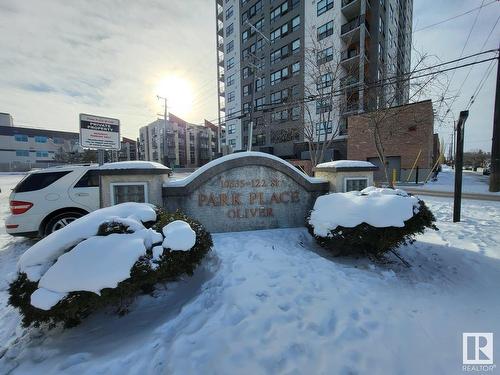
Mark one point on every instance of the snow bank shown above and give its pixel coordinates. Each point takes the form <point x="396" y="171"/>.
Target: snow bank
<point x="374" y="206"/>
<point x="41" y="255"/>
<point x="44" y="299"/>
<point x="346" y="164"/>
<point x="238" y="155"/>
<point x="133" y="164"/>
<point x="178" y="236"/>
<point x="94" y="264"/>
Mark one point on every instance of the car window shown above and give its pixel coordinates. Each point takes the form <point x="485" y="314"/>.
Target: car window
<point x="89" y="179"/>
<point x="37" y="181"/>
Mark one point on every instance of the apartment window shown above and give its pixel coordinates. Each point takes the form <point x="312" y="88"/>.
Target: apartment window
<point x="296" y="46"/>
<point x="246" y="72"/>
<point x="229" y="12"/>
<point x="232" y="142"/>
<point x="295" y="113"/>
<point x="279" y="11"/>
<point x="295" y="23"/>
<point x="279" y="75"/>
<point x="260" y="83"/>
<point x="324" y="81"/>
<point x="279" y="96"/>
<point x="230" y="80"/>
<point x="246" y="107"/>
<point x="324" y="127"/>
<point x="230" y="46"/>
<point x="259" y="45"/>
<point x="42" y="154"/>
<point x="40" y="139"/>
<point x="259" y="140"/>
<point x="22" y="153"/>
<point x="296" y="68"/>
<point x="259" y="25"/>
<point x="325" y="30"/>
<point x="231" y="128"/>
<point x="230" y="63"/>
<point x="21" y="138"/>
<point x="323" y="6"/>
<point x="229" y="29"/>
<point x="295" y="90"/>
<point x="275" y="56"/>
<point x="259" y="103"/>
<point x="323" y="105"/>
<point x="325" y="55"/>
<point x="245" y="35"/>
<point x="279" y="32"/>
<point x="230" y="97"/>
<point x="252" y="11"/>
<point x="246" y="90"/>
<point x="279" y="116"/>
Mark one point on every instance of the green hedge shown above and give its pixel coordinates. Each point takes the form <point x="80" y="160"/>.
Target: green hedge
<point x="77" y="305"/>
<point x="365" y="239"/>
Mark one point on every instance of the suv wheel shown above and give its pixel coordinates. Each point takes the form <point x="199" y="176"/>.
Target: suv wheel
<point x="60" y="221"/>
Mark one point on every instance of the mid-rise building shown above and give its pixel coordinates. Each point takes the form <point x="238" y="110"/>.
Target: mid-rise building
<point x="177" y="143"/>
<point x="23" y="148"/>
<point x="280" y="61"/>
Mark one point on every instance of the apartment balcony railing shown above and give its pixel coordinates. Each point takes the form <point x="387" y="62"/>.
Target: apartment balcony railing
<point x="354" y="24"/>
<point x="348" y="81"/>
<point x="350" y="107"/>
<point x="349" y="54"/>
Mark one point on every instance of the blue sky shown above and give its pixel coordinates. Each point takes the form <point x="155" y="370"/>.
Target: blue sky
<point x="60" y="58"/>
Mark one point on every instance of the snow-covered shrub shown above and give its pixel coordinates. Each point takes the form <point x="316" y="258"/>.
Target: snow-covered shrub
<point x="104" y="259"/>
<point x="370" y="222"/>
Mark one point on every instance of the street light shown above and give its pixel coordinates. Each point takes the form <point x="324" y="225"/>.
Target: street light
<point x="459" y="161"/>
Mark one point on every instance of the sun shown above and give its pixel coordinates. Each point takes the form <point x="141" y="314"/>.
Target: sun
<point x="178" y="92"/>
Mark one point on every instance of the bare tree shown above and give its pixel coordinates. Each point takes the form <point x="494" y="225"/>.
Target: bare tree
<point x="384" y="99"/>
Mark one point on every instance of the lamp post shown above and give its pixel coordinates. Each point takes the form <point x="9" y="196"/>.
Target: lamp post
<point x="459" y="160"/>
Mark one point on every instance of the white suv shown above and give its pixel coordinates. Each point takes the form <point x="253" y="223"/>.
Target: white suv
<point x="47" y="200"/>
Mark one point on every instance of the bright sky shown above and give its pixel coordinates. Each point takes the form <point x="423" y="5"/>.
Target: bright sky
<point x="109" y="57"/>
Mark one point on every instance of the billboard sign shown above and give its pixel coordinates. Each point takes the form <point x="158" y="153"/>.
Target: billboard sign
<point x="99" y="132"/>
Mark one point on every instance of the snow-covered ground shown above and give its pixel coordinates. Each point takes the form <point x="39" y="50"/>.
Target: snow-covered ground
<point x="472" y="182"/>
<point x="272" y="302"/>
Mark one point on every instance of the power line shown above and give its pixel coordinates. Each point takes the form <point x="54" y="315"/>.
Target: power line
<point x="463" y="49"/>
<point x="480" y="85"/>
<point x="472" y="67"/>
<point x="380" y="83"/>
<point x="454" y="17"/>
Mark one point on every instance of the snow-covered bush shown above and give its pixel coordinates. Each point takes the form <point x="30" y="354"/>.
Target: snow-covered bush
<point x="105" y="258"/>
<point x="370" y="222"/>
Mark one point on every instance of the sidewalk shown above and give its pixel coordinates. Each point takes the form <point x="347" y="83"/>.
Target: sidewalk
<point x="449" y="194"/>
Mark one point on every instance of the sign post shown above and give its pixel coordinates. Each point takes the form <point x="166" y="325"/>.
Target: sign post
<point x="99" y="133"/>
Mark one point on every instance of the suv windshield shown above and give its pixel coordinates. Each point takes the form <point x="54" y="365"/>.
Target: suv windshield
<point x="37" y="181"/>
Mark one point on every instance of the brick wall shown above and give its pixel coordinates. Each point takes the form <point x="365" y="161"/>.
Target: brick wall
<point x="404" y="129"/>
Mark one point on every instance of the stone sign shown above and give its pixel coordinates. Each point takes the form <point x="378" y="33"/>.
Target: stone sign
<point x="245" y="191"/>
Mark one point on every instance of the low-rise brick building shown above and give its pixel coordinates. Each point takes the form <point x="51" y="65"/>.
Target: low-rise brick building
<point x="407" y="133"/>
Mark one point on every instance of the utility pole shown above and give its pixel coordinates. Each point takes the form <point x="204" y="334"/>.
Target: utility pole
<point x="459" y="160"/>
<point x="495" y="142"/>
<point x="164" y="140"/>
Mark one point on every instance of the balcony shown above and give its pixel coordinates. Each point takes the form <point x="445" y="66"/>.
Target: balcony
<point x="348" y="81"/>
<point x="350" y="31"/>
<point x="350" y="107"/>
<point x="351" y="8"/>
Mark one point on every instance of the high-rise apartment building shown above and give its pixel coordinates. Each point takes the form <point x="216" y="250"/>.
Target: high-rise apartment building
<point x="177" y="143"/>
<point x="280" y="60"/>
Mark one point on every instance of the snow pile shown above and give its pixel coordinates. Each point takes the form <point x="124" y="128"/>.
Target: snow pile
<point x="238" y="155"/>
<point x="179" y="236"/>
<point x="134" y="164"/>
<point x="374" y="206"/>
<point x="346" y="164"/>
<point x="36" y="260"/>
<point x="98" y="262"/>
<point x="94" y="264"/>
